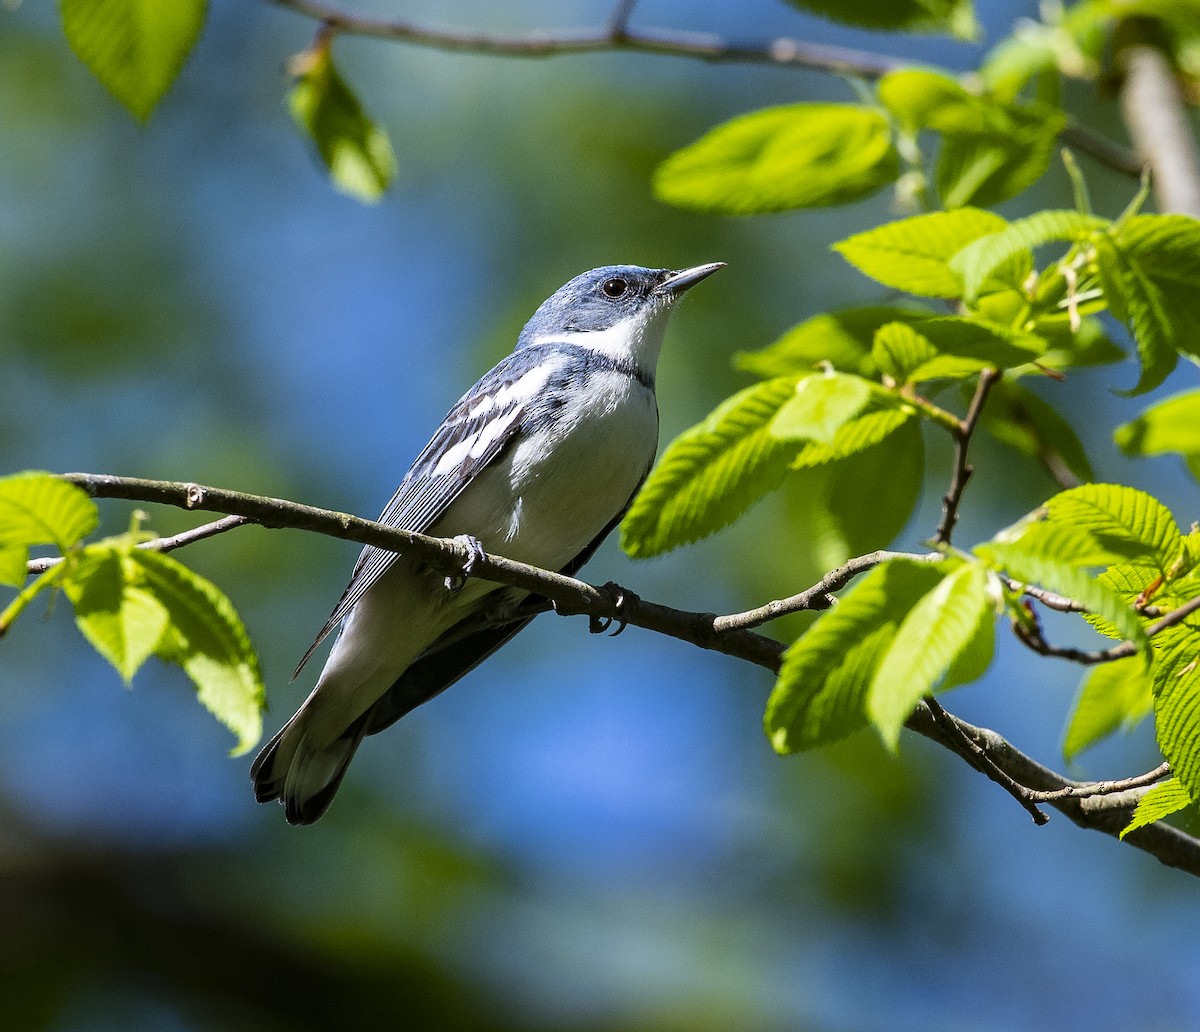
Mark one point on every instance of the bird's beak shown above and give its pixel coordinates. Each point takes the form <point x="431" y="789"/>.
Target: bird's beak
<point x="678" y="282"/>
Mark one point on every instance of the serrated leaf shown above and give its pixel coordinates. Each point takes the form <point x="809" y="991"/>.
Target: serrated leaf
<point x="134" y="47"/>
<point x="936" y="631"/>
<point x="1176" y="676"/>
<point x="356" y="151"/>
<point x="1018" y="418"/>
<point x="898" y="349"/>
<point x="821" y="693"/>
<point x="879" y="421"/>
<point x="914" y="254"/>
<point x="1161" y="801"/>
<point x="1154" y="263"/>
<point x="969" y="337"/>
<point x="206" y="638"/>
<point x="1058" y="557"/>
<point x="1127" y="521"/>
<point x="1013" y="153"/>
<point x="114" y="610"/>
<point x="712" y="473"/>
<point x="842" y="338"/>
<point x="821" y="405"/>
<point x="1113" y="696"/>
<point x="38" y="508"/>
<point x="956" y="17"/>
<point x="779" y="158"/>
<point x="1171" y="426"/>
<point x="975" y="262"/>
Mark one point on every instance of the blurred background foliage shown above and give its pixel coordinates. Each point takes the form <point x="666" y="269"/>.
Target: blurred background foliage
<point x="585" y="834"/>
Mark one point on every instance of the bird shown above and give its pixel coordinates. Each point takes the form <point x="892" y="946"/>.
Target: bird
<point x="538" y="462"/>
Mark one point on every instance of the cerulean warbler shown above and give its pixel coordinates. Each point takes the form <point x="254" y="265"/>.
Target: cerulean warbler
<point x="537" y="462"/>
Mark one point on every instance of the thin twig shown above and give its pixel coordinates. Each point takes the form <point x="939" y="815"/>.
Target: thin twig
<point x="1050" y="599"/>
<point x="962" y="469"/>
<point x="820" y="595"/>
<point x="1095" y="788"/>
<point x="162" y="544"/>
<point x="1032" y="637"/>
<point x="971" y="751"/>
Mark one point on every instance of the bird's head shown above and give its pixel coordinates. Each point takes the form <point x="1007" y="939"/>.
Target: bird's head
<point x="621" y="310"/>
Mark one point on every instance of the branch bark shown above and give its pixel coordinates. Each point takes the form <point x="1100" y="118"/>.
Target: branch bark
<point x="1092" y="805"/>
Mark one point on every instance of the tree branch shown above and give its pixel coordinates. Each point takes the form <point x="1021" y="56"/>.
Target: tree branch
<point x="782" y="52"/>
<point x="1096" y="805"/>
<point x="962" y="470"/>
<point x="162" y="544"/>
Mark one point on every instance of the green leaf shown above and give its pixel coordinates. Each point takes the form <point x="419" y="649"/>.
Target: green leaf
<point x="1057" y="557"/>
<point x="842" y="338"/>
<point x="1170" y="426"/>
<point x="1126" y="521"/>
<point x="899" y="349"/>
<point x="914" y="254"/>
<point x="1018" y="418"/>
<point x="40" y="509"/>
<point x="1014" y="151"/>
<point x="355" y="149"/>
<point x="956" y="17"/>
<point x="967" y="337"/>
<point x="920" y="98"/>
<point x="975" y="262"/>
<point x="12" y="565"/>
<point x="134" y="47"/>
<point x="779" y="158"/>
<point x="712" y="473"/>
<point x="881" y="419"/>
<point x="1176" y="674"/>
<point x="821" y="693"/>
<point x="1113" y="696"/>
<point x="1161" y="801"/>
<point x="1154" y="262"/>
<point x="114" y="610"/>
<point x="868" y="497"/>
<point x="821" y="405"/>
<point x="207" y="639"/>
<point x="934" y="634"/>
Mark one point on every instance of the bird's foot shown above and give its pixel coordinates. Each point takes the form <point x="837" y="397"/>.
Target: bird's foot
<point x="475" y="555"/>
<point x="621" y="600"/>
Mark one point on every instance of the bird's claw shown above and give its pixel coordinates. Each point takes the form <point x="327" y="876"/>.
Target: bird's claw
<point x="600" y="624"/>
<point x="475" y="555"/>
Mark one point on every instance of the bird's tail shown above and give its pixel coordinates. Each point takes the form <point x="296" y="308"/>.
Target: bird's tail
<point x="303" y="775"/>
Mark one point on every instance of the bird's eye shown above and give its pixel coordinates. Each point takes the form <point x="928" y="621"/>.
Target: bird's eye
<point x="615" y="287"/>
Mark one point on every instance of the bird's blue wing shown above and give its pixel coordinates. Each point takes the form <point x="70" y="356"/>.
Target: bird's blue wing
<point x="474" y="433"/>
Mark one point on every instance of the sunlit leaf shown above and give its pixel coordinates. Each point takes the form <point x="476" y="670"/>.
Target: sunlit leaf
<point x="821" y="693"/>
<point x="207" y="639"/>
<point x="880" y="420"/>
<point x="936" y="631"/>
<point x="821" y="405"/>
<point x="1113" y="696"/>
<point x="1172" y="425"/>
<point x="712" y="473"/>
<point x="1164" y="799"/>
<point x="841" y="338"/>
<point x="1124" y="519"/>
<point x="796" y="156"/>
<point x="114" y="609"/>
<point x="134" y="47"/>
<point x="977" y="259"/>
<point x="355" y="149"/>
<point x="1176" y="675"/>
<point x="39" y="508"/>
<point x="914" y="254"/>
